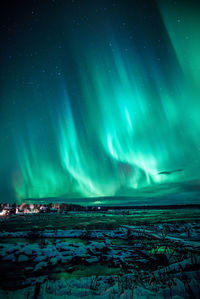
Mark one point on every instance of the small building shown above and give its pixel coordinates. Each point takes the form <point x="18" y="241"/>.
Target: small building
<point x="44" y="209"/>
<point x="8" y="211"/>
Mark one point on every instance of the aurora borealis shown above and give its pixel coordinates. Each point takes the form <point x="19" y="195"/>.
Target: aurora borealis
<point x="99" y="98"/>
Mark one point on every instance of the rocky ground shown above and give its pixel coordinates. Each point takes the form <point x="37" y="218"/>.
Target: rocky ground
<point x="160" y="260"/>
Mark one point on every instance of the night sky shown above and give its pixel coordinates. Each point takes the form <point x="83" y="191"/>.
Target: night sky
<point x="100" y="98"/>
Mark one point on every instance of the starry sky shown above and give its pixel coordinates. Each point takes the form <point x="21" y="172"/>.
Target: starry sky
<point x="100" y="99"/>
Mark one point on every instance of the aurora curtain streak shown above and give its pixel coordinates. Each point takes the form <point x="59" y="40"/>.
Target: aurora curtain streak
<point x="123" y="112"/>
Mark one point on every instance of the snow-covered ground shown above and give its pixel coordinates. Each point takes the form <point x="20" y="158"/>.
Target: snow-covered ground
<point x="143" y="261"/>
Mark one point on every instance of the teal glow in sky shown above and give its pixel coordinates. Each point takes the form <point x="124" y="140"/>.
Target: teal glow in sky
<point x="100" y="99"/>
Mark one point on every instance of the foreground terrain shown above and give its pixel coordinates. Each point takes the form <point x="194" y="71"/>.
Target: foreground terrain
<point x="113" y="254"/>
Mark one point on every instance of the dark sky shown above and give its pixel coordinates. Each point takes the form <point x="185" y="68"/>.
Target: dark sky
<point x="99" y="98"/>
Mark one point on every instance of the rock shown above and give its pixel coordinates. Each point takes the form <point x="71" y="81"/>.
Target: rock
<point x="80" y="252"/>
<point x="39" y="258"/>
<point x="22" y="258"/>
<point x="50" y="251"/>
<point x="108" y="242"/>
<point x="63" y="246"/>
<point x="38" y="252"/>
<point x="92" y="260"/>
<point x="66" y="259"/>
<point x="40" y="266"/>
<point x="107" y="257"/>
<point x="28" y="250"/>
<point x="41" y="279"/>
<point x="13" y="249"/>
<point x="53" y="260"/>
<point x="9" y="257"/>
<point x="96" y="247"/>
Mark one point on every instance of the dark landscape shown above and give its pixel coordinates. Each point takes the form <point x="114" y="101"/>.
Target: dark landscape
<point x="68" y="251"/>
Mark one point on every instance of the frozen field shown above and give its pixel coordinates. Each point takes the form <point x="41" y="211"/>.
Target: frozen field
<point x="117" y="254"/>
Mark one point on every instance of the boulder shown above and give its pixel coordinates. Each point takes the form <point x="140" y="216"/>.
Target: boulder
<point x="39" y="258"/>
<point x="22" y="258"/>
<point x="80" y="252"/>
<point x="96" y="247"/>
<point x="63" y="246"/>
<point x="28" y="250"/>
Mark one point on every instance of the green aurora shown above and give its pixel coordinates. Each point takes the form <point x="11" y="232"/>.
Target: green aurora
<point x="121" y="113"/>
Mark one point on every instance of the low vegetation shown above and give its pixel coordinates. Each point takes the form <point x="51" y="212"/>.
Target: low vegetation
<point x="101" y="255"/>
